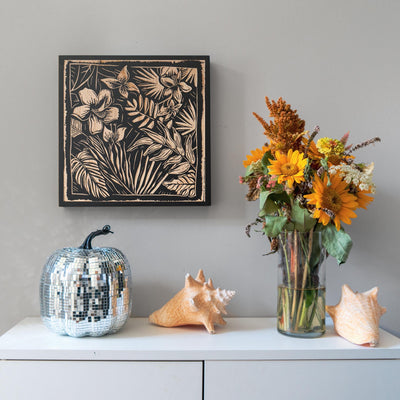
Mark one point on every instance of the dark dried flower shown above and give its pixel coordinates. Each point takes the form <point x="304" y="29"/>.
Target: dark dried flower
<point x="254" y="191"/>
<point x="311" y="138"/>
<point x="364" y="144"/>
<point x="248" y="227"/>
<point x="274" y="244"/>
<point x="329" y="212"/>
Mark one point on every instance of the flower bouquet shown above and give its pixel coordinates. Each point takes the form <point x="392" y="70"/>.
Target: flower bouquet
<point x="306" y="189"/>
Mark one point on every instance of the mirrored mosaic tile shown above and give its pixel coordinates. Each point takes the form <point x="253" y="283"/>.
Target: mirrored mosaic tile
<point x="85" y="292"/>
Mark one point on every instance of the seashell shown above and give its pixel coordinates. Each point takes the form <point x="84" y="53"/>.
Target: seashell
<point x="198" y="303"/>
<point x="356" y="316"/>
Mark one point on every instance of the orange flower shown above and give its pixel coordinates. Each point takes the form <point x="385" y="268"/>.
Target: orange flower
<point x="333" y="159"/>
<point x="255" y="156"/>
<point x="289" y="168"/>
<point x="333" y="201"/>
<point x="362" y="199"/>
<point x="286" y="131"/>
<point x="313" y="152"/>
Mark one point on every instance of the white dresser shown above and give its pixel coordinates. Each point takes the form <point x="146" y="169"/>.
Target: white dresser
<point x="245" y="360"/>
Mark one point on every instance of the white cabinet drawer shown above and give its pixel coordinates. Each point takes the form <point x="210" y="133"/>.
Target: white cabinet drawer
<point x="325" y="379"/>
<point x="97" y="380"/>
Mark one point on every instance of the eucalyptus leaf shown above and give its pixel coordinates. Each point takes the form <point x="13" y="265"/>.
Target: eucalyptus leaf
<point x="269" y="200"/>
<point x="269" y="194"/>
<point x="249" y="171"/>
<point x="274" y="225"/>
<point x="301" y="218"/>
<point x="269" y="208"/>
<point x="263" y="198"/>
<point x="337" y="243"/>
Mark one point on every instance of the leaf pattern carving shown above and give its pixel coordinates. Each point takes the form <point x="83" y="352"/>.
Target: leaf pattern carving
<point x="143" y="110"/>
<point x="180" y="168"/>
<point x="186" y="122"/>
<point x="189" y="150"/>
<point x="150" y="82"/>
<point x="133" y="130"/>
<point x="88" y="176"/>
<point x="184" y="185"/>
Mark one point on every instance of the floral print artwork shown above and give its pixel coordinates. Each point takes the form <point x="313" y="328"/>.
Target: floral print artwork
<point x="134" y="131"/>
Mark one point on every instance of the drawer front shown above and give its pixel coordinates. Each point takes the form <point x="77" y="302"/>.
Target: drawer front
<point x="325" y="379"/>
<point x="49" y="380"/>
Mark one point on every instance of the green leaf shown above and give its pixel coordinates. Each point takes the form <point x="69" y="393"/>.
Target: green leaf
<point x="269" y="200"/>
<point x="325" y="166"/>
<point x="265" y="161"/>
<point x="269" y="208"/>
<point x="263" y="198"/>
<point x="316" y="256"/>
<point x="274" y="225"/>
<point x="289" y="227"/>
<point x="337" y="243"/>
<point x="311" y="296"/>
<point x="280" y="197"/>
<point x="324" y="163"/>
<point x="249" y="171"/>
<point x="266" y="195"/>
<point x="301" y="218"/>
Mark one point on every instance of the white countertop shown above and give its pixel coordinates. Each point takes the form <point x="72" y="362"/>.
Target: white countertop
<point x="240" y="339"/>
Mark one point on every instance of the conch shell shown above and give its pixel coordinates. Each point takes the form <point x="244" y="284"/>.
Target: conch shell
<point x="198" y="303"/>
<point x="356" y="317"/>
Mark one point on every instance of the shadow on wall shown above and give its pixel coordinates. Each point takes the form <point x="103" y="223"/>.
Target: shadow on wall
<point x="143" y="300"/>
<point x="373" y="230"/>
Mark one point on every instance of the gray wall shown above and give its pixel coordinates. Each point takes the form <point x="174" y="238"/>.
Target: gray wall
<point x="337" y="62"/>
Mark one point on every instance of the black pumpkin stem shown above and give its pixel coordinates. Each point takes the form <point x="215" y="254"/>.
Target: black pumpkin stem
<point x="87" y="244"/>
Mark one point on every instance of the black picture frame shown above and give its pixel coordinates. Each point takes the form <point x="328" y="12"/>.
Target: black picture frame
<point x="134" y="131"/>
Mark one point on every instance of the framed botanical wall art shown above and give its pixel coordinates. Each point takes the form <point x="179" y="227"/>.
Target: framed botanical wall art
<point x="134" y="130"/>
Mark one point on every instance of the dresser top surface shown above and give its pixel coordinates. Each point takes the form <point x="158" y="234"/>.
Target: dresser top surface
<point x="240" y="339"/>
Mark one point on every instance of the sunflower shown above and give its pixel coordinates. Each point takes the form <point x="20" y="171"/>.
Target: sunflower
<point x="362" y="199"/>
<point x="255" y="156"/>
<point x="332" y="201"/>
<point x="288" y="167"/>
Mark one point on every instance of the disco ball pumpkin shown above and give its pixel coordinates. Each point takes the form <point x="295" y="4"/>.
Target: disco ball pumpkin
<point x="86" y="291"/>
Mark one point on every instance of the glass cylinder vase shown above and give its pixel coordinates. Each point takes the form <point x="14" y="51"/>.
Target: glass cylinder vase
<point x="301" y="284"/>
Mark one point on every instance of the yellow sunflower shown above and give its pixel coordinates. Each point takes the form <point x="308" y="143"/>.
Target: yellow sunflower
<point x="332" y="202"/>
<point x="289" y="168"/>
<point x="362" y="199"/>
<point x="255" y="156"/>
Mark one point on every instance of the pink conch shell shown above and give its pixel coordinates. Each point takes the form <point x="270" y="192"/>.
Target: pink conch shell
<point x="198" y="303"/>
<point x="356" y="317"/>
